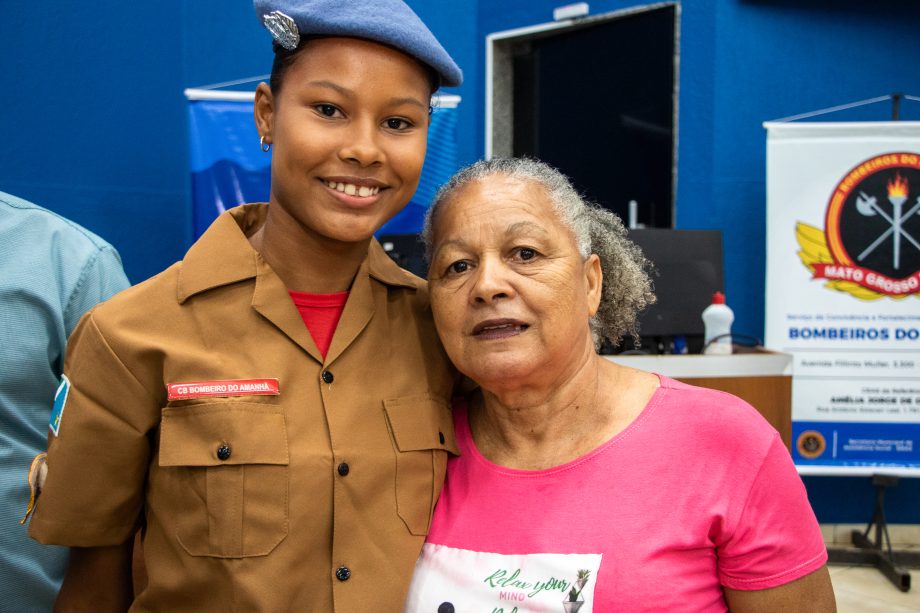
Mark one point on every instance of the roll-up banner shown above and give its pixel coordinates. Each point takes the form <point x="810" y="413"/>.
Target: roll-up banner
<point x="229" y="168"/>
<point x="843" y="290"/>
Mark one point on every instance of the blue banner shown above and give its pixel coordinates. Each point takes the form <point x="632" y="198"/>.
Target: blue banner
<point x="820" y="443"/>
<point x="228" y="168"/>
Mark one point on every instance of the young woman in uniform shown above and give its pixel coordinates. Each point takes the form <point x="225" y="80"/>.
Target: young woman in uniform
<point x="272" y="465"/>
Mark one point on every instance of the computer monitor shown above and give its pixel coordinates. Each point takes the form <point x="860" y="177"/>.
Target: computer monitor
<point x="407" y="250"/>
<point x="687" y="271"/>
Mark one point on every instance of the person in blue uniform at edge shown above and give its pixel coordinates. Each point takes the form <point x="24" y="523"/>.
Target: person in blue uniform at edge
<point x="51" y="272"/>
<point x="272" y="465"/>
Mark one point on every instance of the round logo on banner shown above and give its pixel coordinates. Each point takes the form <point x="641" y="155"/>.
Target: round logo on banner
<point x="870" y="247"/>
<point x="811" y="444"/>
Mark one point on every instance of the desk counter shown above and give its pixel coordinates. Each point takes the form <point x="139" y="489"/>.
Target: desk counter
<point x="763" y="379"/>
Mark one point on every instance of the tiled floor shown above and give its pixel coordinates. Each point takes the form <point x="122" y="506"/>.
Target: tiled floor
<point x="861" y="590"/>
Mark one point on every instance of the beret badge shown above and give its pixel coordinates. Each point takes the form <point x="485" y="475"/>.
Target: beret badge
<point x="283" y="29"/>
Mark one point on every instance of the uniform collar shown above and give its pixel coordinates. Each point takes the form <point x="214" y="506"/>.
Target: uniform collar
<point x="381" y="267"/>
<point x="223" y="255"/>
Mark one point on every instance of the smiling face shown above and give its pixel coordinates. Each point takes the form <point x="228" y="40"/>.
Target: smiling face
<point x="349" y="131"/>
<point x="511" y="295"/>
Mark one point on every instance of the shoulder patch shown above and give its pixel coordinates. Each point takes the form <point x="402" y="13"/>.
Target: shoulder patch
<point x="60" y="399"/>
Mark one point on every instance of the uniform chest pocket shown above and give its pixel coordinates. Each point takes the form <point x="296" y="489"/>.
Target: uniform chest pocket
<point x="423" y="434"/>
<point x="229" y="465"/>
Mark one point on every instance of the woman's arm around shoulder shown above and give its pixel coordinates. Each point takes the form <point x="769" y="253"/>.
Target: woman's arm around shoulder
<point x="812" y="593"/>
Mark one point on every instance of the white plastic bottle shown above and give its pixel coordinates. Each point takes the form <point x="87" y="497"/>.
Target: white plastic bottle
<point x="718" y="318"/>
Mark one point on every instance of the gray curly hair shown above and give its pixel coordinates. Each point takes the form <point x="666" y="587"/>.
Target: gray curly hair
<point x="626" y="289"/>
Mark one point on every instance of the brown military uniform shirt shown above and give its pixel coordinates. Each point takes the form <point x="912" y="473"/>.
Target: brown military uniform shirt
<point x="315" y="499"/>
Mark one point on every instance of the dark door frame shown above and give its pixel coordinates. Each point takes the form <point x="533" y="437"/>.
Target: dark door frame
<point x="499" y="99"/>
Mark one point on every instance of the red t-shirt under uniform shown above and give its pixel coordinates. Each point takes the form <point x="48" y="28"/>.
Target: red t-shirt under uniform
<point x="321" y="314"/>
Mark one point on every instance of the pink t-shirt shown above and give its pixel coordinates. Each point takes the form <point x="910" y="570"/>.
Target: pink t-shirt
<point x="697" y="493"/>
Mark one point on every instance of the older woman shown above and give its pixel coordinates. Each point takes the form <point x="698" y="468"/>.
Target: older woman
<point x="583" y="483"/>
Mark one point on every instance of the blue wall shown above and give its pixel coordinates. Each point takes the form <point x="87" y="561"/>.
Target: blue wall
<point x="741" y="63"/>
<point x="775" y="59"/>
<point x="94" y="122"/>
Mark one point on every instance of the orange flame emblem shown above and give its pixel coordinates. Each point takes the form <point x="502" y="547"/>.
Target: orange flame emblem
<point x="898" y="187"/>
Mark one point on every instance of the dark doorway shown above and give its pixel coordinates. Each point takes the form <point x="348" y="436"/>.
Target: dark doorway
<point x="597" y="102"/>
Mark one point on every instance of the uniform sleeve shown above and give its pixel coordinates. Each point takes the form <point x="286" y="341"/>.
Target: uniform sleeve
<point x="777" y="538"/>
<point x="101" y="277"/>
<point x="97" y="464"/>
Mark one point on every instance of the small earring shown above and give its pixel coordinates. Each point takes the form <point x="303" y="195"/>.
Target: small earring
<point x="263" y="145"/>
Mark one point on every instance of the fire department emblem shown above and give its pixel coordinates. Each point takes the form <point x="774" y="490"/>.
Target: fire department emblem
<point x="870" y="245"/>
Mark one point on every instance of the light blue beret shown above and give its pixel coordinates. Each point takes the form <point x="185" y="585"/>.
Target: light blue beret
<point x="390" y="22"/>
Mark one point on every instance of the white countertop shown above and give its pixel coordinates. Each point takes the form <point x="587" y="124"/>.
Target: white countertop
<point x="818" y="470"/>
<point x="689" y="366"/>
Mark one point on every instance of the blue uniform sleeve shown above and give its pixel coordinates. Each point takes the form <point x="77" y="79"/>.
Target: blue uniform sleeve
<point x="101" y="278"/>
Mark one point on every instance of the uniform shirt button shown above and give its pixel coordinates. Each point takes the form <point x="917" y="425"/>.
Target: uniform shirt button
<point x="441" y="437"/>
<point x="343" y="469"/>
<point x="327" y="376"/>
<point x="343" y="573"/>
<point x="223" y="452"/>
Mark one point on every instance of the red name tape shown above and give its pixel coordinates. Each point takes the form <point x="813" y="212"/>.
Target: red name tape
<point x="230" y="387"/>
